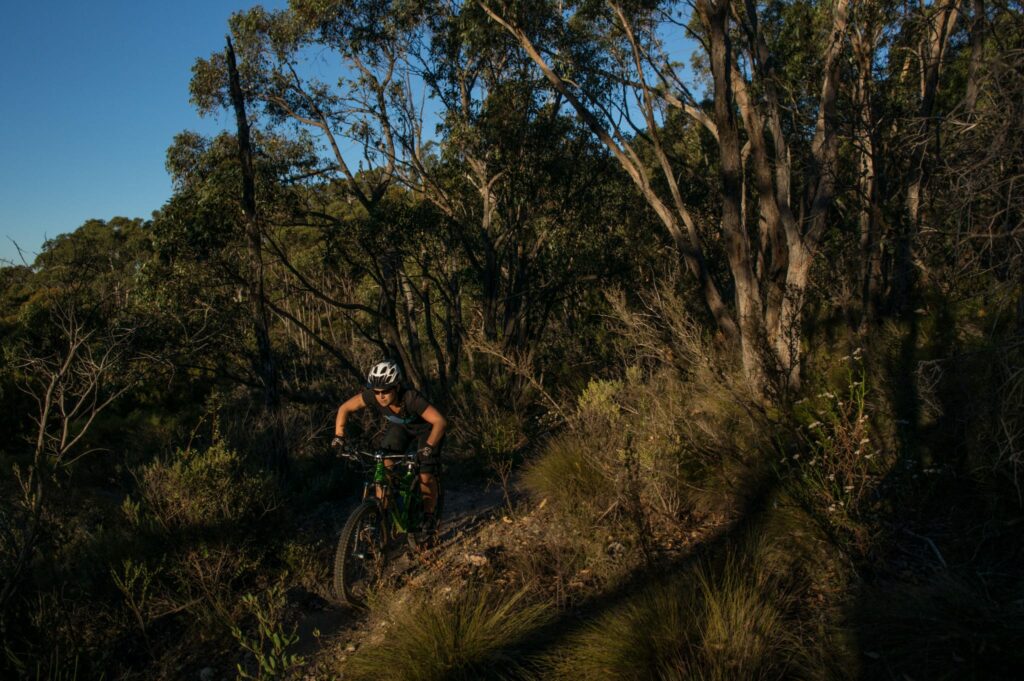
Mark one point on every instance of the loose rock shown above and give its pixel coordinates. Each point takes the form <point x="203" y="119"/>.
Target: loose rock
<point x="476" y="559"/>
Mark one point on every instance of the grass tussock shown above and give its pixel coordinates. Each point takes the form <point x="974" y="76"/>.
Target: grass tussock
<point x="677" y="435"/>
<point x="725" y="622"/>
<point x="475" y="634"/>
<point x="645" y="451"/>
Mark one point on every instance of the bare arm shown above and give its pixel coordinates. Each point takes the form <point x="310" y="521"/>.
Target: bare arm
<point x="437" y="422"/>
<point x="354" y="403"/>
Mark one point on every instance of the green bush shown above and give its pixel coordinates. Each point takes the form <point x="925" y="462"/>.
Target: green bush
<point x="836" y="464"/>
<point x="269" y="640"/>
<point x="202" y="488"/>
<point x="488" y="425"/>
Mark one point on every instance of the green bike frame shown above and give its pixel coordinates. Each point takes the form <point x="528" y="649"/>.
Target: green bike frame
<point x="407" y="508"/>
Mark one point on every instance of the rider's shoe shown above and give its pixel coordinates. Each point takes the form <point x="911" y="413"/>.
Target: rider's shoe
<point x="427" y="535"/>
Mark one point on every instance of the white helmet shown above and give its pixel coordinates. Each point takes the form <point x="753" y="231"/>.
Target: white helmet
<point x="384" y="375"/>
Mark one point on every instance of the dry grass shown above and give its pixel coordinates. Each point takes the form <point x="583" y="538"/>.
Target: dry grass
<point x="715" y="622"/>
<point x="471" y="635"/>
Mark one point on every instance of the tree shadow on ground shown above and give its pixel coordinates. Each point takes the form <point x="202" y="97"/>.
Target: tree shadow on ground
<point x="759" y="490"/>
<point x="940" y="595"/>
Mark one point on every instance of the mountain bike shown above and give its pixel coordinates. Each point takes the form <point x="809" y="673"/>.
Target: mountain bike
<point x="391" y="507"/>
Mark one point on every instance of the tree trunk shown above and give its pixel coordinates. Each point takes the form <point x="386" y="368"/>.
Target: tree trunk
<point x="266" y="369"/>
<point x="939" y="27"/>
<point x="747" y="294"/>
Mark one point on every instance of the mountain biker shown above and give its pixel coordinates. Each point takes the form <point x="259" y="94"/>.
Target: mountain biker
<point x="408" y="417"/>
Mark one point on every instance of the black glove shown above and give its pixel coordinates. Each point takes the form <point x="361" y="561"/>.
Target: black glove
<point x="425" y="452"/>
<point x="338" y="442"/>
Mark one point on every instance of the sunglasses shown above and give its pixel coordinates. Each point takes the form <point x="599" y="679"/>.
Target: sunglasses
<point x="383" y="392"/>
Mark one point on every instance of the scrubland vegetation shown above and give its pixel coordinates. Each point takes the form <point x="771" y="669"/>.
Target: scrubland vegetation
<point x="738" y="345"/>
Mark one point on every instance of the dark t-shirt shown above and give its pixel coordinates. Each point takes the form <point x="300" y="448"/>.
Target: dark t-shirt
<point x="410" y="414"/>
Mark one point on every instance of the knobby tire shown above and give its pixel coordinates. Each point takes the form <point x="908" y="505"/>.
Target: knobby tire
<point x="359" y="558"/>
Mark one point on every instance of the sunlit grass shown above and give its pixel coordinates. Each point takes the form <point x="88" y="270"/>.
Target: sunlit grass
<point x="474" y="635"/>
<point x="725" y="622"/>
<point x="570" y="477"/>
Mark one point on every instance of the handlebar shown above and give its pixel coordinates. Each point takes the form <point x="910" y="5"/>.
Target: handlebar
<point x="359" y="454"/>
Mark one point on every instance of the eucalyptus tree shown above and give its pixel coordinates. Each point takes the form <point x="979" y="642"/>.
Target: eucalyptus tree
<point x="502" y="201"/>
<point x="357" y="114"/>
<point x="206" y="282"/>
<point x="773" y="136"/>
<point x="530" y="193"/>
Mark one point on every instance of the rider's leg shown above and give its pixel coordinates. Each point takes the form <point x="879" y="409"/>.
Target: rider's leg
<point x="430" y="470"/>
<point x="429" y="490"/>
<point x="395" y="439"/>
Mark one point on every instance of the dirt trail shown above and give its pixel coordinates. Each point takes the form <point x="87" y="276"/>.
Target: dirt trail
<point x="327" y="628"/>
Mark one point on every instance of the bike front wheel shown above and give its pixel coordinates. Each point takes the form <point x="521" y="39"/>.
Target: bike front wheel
<point x="359" y="558"/>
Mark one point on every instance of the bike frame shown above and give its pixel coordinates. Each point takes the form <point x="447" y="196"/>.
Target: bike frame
<point x="399" y="493"/>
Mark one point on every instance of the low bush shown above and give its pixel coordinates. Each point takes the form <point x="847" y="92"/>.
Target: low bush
<point x="836" y="462"/>
<point x="202" y="488"/>
<point x="268" y="641"/>
<point x="646" y="451"/>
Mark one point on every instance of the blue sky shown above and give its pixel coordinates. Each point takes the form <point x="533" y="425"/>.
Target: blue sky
<point x="92" y="95"/>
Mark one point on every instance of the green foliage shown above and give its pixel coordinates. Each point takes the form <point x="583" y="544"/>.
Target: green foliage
<point x="269" y="646"/>
<point x="306" y="562"/>
<point x="471" y="634"/>
<point x="136" y="583"/>
<point x="597" y="400"/>
<point x="212" y="487"/>
<point x="836" y="462"/>
<point x="501" y="432"/>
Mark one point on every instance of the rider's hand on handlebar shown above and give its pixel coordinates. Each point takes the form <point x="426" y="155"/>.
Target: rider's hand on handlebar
<point x="424" y="452"/>
<point x="343" y="450"/>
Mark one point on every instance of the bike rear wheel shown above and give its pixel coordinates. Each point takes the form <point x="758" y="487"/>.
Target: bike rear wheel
<point x="359" y="558"/>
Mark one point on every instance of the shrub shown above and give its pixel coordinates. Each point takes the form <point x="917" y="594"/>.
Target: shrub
<point x="270" y="641"/>
<point x="202" y="488"/>
<point x="648" y="450"/>
<point x="473" y="635"/>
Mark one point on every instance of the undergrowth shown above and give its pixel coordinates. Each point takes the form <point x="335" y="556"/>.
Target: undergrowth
<point x="708" y="622"/>
<point x="472" y="634"/>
